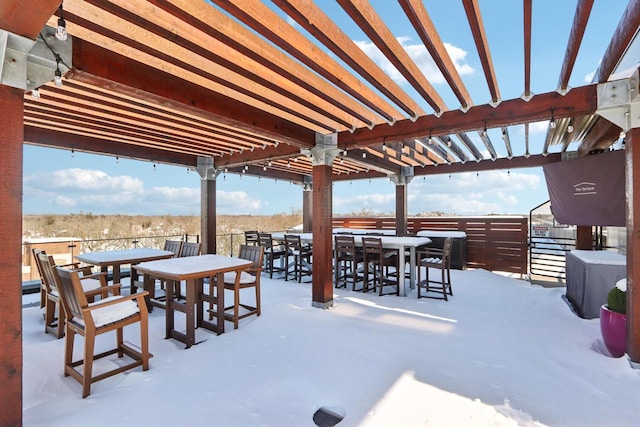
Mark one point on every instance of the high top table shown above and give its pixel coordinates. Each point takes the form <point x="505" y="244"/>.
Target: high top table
<point x="401" y="243"/>
<point x="590" y="277"/>
<point x="193" y="270"/>
<point x="115" y="259"/>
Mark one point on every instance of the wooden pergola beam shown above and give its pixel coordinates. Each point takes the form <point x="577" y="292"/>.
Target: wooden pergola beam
<point x="577" y="101"/>
<point x="101" y="67"/>
<point x="583" y="11"/>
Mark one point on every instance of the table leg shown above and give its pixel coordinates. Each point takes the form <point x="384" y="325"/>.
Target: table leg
<point x="170" y="321"/>
<point x="116" y="273"/>
<point x="412" y="267"/>
<point x="190" y="311"/>
<point x="220" y="302"/>
<point x="147" y="283"/>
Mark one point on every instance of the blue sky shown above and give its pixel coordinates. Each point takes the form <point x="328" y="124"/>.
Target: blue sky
<point x="57" y="181"/>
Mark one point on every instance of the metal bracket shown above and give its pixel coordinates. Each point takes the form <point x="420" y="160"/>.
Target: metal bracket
<point x="325" y="151"/>
<point x="206" y="169"/>
<point x="619" y="101"/>
<point x="28" y="64"/>
<point x="404" y="177"/>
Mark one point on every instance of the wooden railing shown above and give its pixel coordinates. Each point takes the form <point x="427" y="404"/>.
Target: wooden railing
<point x="495" y="243"/>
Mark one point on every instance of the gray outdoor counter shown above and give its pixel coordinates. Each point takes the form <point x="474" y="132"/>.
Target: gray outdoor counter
<point x="458" y="247"/>
<point x="590" y="277"/>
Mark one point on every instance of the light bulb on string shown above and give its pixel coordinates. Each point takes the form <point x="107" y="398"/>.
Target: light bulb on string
<point x="61" y="29"/>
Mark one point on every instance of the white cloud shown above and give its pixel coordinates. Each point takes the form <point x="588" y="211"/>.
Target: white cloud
<point x="418" y="52"/>
<point x="589" y="77"/>
<point x="539" y="127"/>
<point x="74" y="190"/>
<point x="377" y="203"/>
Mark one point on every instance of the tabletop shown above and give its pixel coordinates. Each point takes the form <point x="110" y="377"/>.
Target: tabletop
<point x="193" y="266"/>
<point x="121" y="256"/>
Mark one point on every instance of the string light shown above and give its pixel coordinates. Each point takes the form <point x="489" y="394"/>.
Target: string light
<point x="484" y="131"/>
<point x="35" y="93"/>
<point x="384" y="146"/>
<point x="73" y="153"/>
<point x="118" y="161"/>
<point x="364" y="154"/>
<point x="570" y="127"/>
<point x="552" y="122"/>
<point x="61" y="30"/>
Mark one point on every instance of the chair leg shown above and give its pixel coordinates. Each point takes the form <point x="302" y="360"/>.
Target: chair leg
<point x="87" y="365"/>
<point x="68" y="350"/>
<point x="144" y="342"/>
<point x="257" y="299"/>
<point x="236" y="307"/>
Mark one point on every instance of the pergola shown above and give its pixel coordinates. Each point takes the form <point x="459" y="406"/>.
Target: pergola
<point x="231" y="85"/>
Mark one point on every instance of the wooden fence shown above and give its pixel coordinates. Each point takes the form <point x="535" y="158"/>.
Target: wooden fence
<point x="497" y="243"/>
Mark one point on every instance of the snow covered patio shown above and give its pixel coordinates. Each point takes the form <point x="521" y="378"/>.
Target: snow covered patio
<point x="501" y="352"/>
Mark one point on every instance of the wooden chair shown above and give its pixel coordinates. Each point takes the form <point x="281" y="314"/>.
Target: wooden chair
<point x="347" y="257"/>
<point x="54" y="317"/>
<point x="174" y="246"/>
<point x="377" y="263"/>
<point x="190" y="249"/>
<point x="92" y="319"/>
<point x="249" y="278"/>
<point x="439" y="259"/>
<point x="271" y="253"/>
<point x="251" y="237"/>
<point x="301" y="254"/>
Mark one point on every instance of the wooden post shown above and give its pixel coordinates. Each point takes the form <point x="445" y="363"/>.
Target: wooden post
<point x="322" y="282"/>
<point x="401" y="209"/>
<point x="208" y="223"/>
<point x="633" y="244"/>
<point x="11" y="140"/>
<point x="584" y="237"/>
<point x="307" y="206"/>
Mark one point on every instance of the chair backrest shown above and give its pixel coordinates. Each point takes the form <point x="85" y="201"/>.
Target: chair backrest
<point x="252" y="253"/>
<point x="372" y="248"/>
<point x="345" y="245"/>
<point x="190" y="249"/>
<point x="71" y="292"/>
<point x="293" y="242"/>
<point x="251" y="237"/>
<point x="174" y="246"/>
<point x="46" y="265"/>
<point x="265" y="239"/>
<point x="36" y="252"/>
<point x="446" y="251"/>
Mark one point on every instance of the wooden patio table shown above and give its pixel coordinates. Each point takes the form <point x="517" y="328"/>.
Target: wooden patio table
<point x="193" y="270"/>
<point x="388" y="242"/>
<point x="104" y="259"/>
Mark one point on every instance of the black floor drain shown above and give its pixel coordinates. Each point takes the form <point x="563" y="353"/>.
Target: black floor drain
<point x="326" y="418"/>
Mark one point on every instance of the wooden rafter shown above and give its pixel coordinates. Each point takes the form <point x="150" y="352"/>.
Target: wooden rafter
<point x="626" y="30"/>
<point x="527" y="14"/>
<point x="263" y="20"/>
<point x="417" y="14"/>
<point x="371" y="23"/>
<point x="472" y="9"/>
<point x="317" y="23"/>
<point x="583" y="11"/>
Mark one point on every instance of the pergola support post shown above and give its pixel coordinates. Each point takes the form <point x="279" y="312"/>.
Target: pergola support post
<point x="402" y="181"/>
<point x="322" y="156"/>
<point x="633" y="245"/>
<point x="619" y="102"/>
<point x="584" y="237"/>
<point x="307" y="205"/>
<point x="208" y="223"/>
<point x="11" y="139"/>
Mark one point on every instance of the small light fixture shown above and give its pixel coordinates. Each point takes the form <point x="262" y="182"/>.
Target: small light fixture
<point x="61" y="30"/>
<point x="448" y="141"/>
<point x="484" y="131"/>
<point x="384" y="146"/>
<point x="264" y="168"/>
<point x="570" y="127"/>
<point x="269" y="164"/>
<point x="552" y="122"/>
<point x="57" y="77"/>
<point x="35" y="93"/>
<point x="364" y="154"/>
